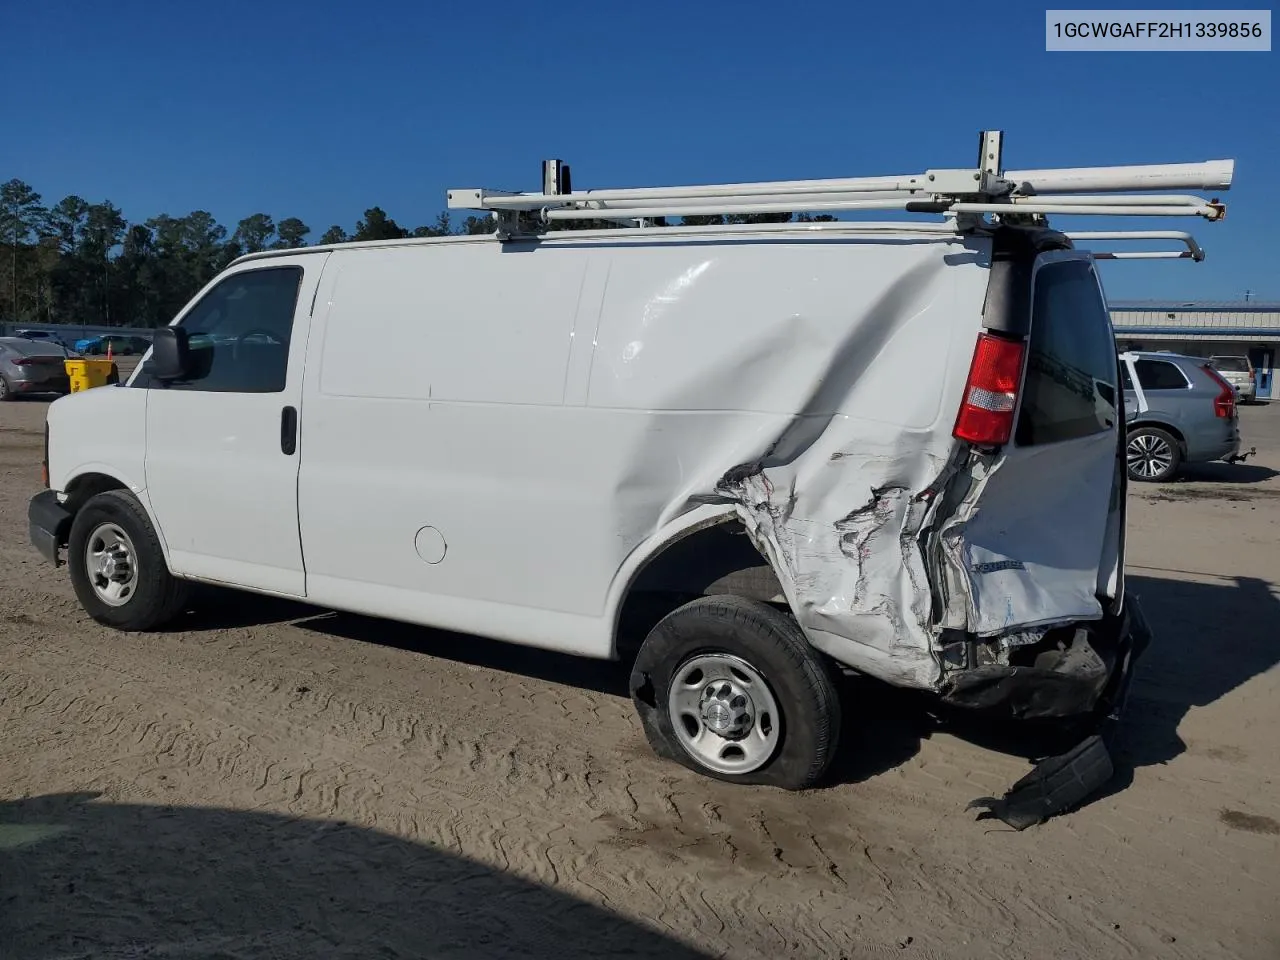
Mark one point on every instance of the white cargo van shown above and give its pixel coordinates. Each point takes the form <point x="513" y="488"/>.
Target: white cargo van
<point x="891" y="448"/>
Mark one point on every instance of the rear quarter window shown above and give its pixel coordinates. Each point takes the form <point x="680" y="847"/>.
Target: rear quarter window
<point x="37" y="348"/>
<point x="1070" y="386"/>
<point x="1160" y="375"/>
<point x="1230" y="364"/>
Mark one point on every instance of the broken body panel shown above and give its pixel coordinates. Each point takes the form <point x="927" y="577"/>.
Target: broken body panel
<point x="991" y="576"/>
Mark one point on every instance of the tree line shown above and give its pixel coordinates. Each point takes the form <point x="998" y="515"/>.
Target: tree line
<point x="84" y="263"/>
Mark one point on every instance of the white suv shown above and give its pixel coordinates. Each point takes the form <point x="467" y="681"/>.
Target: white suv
<point x="1237" y="371"/>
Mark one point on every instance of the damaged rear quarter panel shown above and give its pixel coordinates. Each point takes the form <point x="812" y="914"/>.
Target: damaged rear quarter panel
<point x="820" y="409"/>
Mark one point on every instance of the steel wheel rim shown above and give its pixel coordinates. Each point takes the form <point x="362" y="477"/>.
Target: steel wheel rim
<point x="724" y="714"/>
<point x="1149" y="455"/>
<point x="110" y="562"/>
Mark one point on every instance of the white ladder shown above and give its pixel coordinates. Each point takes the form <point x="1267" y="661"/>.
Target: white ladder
<point x="964" y="196"/>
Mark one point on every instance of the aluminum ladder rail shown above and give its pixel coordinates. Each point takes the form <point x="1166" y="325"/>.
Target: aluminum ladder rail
<point x="984" y="189"/>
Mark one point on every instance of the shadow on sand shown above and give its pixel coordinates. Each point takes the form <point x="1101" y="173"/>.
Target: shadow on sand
<point x="1217" y="472"/>
<point x="1209" y="639"/>
<point x="101" y="881"/>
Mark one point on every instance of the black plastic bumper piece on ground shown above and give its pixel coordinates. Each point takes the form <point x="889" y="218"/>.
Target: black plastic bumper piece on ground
<point x="1060" y="783"/>
<point x="48" y="523"/>
<point x="1055" y="785"/>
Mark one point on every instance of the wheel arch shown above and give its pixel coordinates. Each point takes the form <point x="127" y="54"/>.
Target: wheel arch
<point x="708" y="553"/>
<point x="1160" y="425"/>
<point x="84" y="486"/>
<point x="87" y="482"/>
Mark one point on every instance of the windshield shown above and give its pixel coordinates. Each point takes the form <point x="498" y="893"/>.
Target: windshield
<point x="1230" y="364"/>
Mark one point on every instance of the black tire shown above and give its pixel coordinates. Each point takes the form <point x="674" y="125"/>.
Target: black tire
<point x="156" y="596"/>
<point x="5" y="392"/>
<point x="774" y="647"/>
<point x="1152" y="455"/>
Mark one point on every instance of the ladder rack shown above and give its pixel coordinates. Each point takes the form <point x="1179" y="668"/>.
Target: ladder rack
<point x="1193" y="251"/>
<point x="966" y="195"/>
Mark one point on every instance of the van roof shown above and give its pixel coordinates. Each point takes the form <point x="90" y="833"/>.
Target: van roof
<point x="887" y="230"/>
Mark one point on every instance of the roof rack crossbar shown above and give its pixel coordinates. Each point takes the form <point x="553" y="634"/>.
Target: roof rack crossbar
<point x="1193" y="250"/>
<point x="1077" y="191"/>
<point x="834" y="203"/>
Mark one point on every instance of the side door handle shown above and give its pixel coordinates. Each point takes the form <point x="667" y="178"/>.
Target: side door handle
<point x="288" y="430"/>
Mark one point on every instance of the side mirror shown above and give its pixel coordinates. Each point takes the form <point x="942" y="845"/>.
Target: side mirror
<point x="170" y="354"/>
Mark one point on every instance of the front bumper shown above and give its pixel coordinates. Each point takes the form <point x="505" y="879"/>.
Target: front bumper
<point x="48" y="525"/>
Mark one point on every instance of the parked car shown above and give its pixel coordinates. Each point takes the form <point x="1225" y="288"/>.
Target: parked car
<point x="122" y="345"/>
<point x="1239" y="372"/>
<point x="29" y="367"/>
<point x="1178" y="410"/>
<point x="44" y="336"/>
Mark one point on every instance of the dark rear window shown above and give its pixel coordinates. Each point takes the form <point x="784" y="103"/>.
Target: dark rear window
<point x="1160" y="375"/>
<point x="1070" y="388"/>
<point x="1230" y="364"/>
<point x="34" y="348"/>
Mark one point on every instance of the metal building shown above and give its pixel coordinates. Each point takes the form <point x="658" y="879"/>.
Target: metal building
<point x="1204" y="328"/>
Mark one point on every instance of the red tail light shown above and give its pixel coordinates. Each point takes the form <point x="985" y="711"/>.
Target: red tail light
<point x="1224" y="404"/>
<point x="25" y="362"/>
<point x="991" y="393"/>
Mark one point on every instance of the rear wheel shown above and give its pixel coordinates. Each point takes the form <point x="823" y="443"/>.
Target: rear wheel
<point x="1152" y="454"/>
<point x="5" y="392"/>
<point x="118" y="568"/>
<point x="732" y="689"/>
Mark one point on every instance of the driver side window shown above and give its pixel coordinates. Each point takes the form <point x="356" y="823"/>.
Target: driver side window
<point x="239" y="333"/>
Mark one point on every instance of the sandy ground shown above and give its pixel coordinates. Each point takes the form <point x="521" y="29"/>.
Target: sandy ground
<point x="276" y="781"/>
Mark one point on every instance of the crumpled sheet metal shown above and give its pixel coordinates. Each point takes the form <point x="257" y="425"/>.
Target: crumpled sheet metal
<point x="824" y="420"/>
<point x="831" y="493"/>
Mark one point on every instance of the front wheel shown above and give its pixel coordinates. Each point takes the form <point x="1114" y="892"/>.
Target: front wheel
<point x="732" y="689"/>
<point x="1152" y="454"/>
<point x="118" y="568"/>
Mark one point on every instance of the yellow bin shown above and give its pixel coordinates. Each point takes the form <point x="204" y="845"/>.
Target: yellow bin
<point x="89" y="373"/>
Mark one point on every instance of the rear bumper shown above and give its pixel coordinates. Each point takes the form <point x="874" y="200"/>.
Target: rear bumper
<point x="48" y="525"/>
<point x="1087" y="678"/>
<point x="1222" y="451"/>
<point x="1221" y="441"/>
<point x="56" y="385"/>
<point x="1060" y="783"/>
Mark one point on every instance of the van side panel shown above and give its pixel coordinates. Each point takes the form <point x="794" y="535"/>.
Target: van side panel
<point x="460" y="323"/>
<point x="843" y="363"/>
<point x="436" y="459"/>
<point x="451" y="474"/>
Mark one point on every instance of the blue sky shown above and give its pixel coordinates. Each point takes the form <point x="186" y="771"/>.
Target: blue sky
<point x="322" y="109"/>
